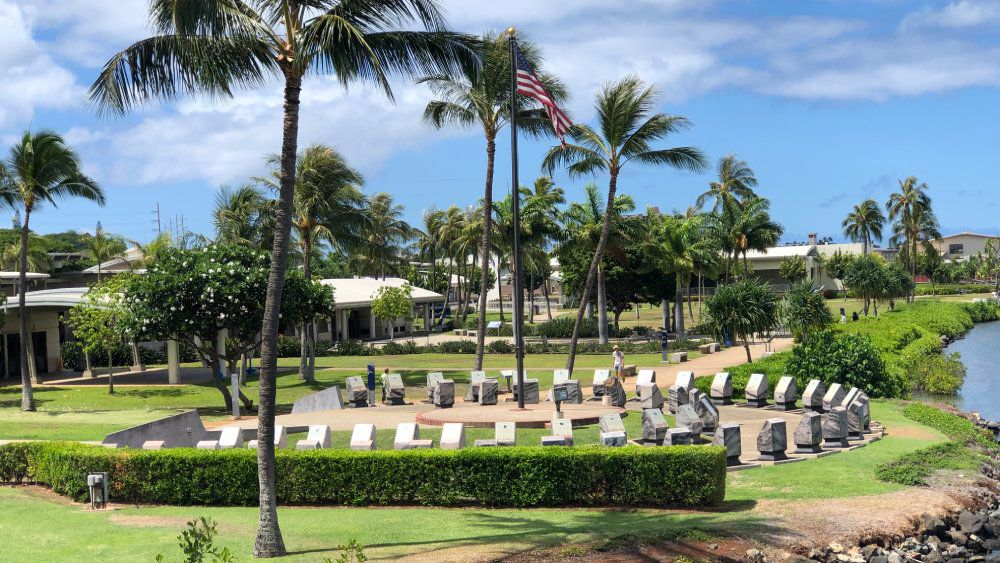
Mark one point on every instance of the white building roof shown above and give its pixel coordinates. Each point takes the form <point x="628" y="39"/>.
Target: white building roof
<point x="13" y="276"/>
<point x="118" y="264"/>
<point x="967" y="234"/>
<point x="349" y="293"/>
<point x="64" y="297"/>
<point x="802" y="250"/>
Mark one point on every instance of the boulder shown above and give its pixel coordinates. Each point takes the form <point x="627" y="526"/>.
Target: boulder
<point x="756" y="390"/>
<point x="728" y="436"/>
<point x="809" y="433"/>
<point x="773" y="440"/>
<point x="722" y="388"/>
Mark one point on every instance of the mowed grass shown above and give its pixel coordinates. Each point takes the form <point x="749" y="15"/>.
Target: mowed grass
<point x="312" y="534"/>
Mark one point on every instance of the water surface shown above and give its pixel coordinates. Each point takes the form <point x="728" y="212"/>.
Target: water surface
<point x="980" y="350"/>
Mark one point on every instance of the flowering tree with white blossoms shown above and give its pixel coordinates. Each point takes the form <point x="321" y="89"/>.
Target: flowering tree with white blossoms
<point x="193" y="295"/>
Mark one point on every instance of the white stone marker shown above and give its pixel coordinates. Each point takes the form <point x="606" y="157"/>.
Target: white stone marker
<point x="317" y="438"/>
<point x="363" y="437"/>
<point x="231" y="437"/>
<point x="406" y="433"/>
<point x="685" y="379"/>
<point x="280" y="438"/>
<point x="504" y="432"/>
<point x="453" y="436"/>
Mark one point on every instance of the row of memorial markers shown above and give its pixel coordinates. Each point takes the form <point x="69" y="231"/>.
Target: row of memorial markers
<point x="831" y="419"/>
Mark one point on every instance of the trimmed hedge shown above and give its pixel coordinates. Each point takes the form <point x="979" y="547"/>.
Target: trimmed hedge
<point x="951" y="425"/>
<point x="953" y="288"/>
<point x="513" y="477"/>
<point x="773" y="366"/>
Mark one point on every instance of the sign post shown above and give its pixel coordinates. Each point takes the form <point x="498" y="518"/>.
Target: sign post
<point x="559" y="394"/>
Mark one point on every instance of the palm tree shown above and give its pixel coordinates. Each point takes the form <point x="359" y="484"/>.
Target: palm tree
<point x="864" y="224"/>
<point x="427" y="243"/>
<point x="734" y="186"/>
<point x="380" y="248"/>
<point x="217" y="47"/>
<point x="910" y="209"/>
<point x="749" y="227"/>
<point x="542" y="214"/>
<point x="481" y="98"/>
<point x="38" y="258"/>
<point x="244" y="217"/>
<point x="327" y="205"/>
<point x="40" y="169"/>
<point x="449" y="237"/>
<point x="103" y="247"/>
<point x="149" y="251"/>
<point x="627" y="127"/>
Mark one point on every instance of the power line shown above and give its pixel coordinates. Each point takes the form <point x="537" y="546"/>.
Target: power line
<point x="156" y="221"/>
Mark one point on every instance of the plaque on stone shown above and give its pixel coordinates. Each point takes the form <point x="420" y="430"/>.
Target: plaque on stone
<point x="616" y="393"/>
<point x="809" y="433"/>
<point x="612" y="430"/>
<point x="600" y="376"/>
<point x="834" y="396"/>
<point x="505" y="432"/>
<point x="835" y="428"/>
<point x="406" y="432"/>
<point x="560" y="376"/>
<point x="707" y="412"/>
<point x="472" y="392"/>
<point x="357" y="392"/>
<point x="687" y="416"/>
<point x="231" y="437"/>
<point x="773" y="440"/>
<point x="489" y="391"/>
<point x="722" y="388"/>
<point x="573" y="392"/>
<point x="812" y="397"/>
<point x="433" y="378"/>
<point x="685" y="379"/>
<point x="756" y="390"/>
<point x="649" y="396"/>
<point x="444" y="394"/>
<point x="393" y="390"/>
<point x="363" y="437"/>
<point x="680" y="436"/>
<point x="654" y="426"/>
<point x="453" y="436"/>
<point x="728" y="436"/>
<point x="676" y="396"/>
<point x="785" y="394"/>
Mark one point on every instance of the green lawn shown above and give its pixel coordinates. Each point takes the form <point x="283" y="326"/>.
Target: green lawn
<point x="62" y="532"/>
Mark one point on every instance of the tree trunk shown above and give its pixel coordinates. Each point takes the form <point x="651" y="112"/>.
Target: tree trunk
<point x="665" y="313"/>
<point x="220" y="382"/>
<point x="545" y="292"/>
<point x="701" y="294"/>
<point x="269" y="542"/>
<point x="602" y="306"/>
<point x="592" y="273"/>
<point x="500" y="294"/>
<point x="484" y="276"/>
<point x="690" y="305"/>
<point x="679" y="308"/>
<point x="531" y="298"/>
<point x="307" y="337"/>
<point x="746" y="346"/>
<point x="618" y="315"/>
<point x="27" y="396"/>
<point x="111" y="374"/>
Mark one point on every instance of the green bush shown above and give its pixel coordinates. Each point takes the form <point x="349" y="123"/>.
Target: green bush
<point x="289" y="347"/>
<point x="848" y="359"/>
<point x="457" y="347"/>
<point x="501" y="347"/>
<point x="940" y="374"/>
<point x="562" y="327"/>
<point x="953" y="288"/>
<point x="951" y="425"/>
<point x="353" y="348"/>
<point x="773" y="366"/>
<point x="518" y="477"/>
<point x="915" y="467"/>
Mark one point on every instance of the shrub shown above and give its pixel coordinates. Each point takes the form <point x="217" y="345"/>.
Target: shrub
<point x="951" y="425"/>
<point x="953" y="288"/>
<point x="289" y="347"/>
<point x="848" y="359"/>
<point x="457" y="347"/>
<point x="562" y="327"/>
<point x="353" y="348"/>
<point x="501" y="347"/>
<point x="519" y="477"/>
<point x="940" y="374"/>
<point x="773" y="366"/>
<point x="915" y="467"/>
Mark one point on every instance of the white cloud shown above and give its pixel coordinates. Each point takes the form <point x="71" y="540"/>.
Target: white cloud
<point x="88" y="31"/>
<point x="29" y="78"/>
<point x="956" y="15"/>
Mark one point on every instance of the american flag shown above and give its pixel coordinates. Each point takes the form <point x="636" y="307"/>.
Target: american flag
<point x="529" y="85"/>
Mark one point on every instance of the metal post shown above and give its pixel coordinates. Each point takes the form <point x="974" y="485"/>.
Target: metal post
<point x="516" y="208"/>
<point x="235" y="378"/>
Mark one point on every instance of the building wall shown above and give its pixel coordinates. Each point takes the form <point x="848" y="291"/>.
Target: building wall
<point x="46" y="321"/>
<point x="959" y="247"/>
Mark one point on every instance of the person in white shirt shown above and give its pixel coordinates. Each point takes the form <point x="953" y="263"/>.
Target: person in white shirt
<point x="617" y="360"/>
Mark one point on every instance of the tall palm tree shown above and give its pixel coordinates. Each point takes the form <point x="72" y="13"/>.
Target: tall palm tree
<point x="217" y="47"/>
<point x="910" y="209"/>
<point x="481" y="98"/>
<point x="864" y="224"/>
<point x="40" y="169"/>
<point x="380" y="248"/>
<point x="38" y="258"/>
<point x="244" y="216"/>
<point x="327" y="205"/>
<point x="734" y="185"/>
<point x="542" y="214"/>
<point x="627" y="128"/>
<point x="449" y="238"/>
<point x="427" y="243"/>
<point x="103" y="247"/>
<point x="749" y="227"/>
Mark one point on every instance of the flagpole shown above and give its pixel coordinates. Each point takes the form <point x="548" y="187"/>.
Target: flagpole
<point x="516" y="209"/>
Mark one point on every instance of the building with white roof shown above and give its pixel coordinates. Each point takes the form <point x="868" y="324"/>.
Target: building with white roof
<point x="47" y="311"/>
<point x="352" y="318"/>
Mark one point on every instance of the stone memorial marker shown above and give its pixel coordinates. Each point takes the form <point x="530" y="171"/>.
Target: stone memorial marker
<point x="562" y="433"/>
<point x="153" y="445"/>
<point x="406" y="433"/>
<point x="722" y="388"/>
<point x="182" y="430"/>
<point x="729" y="436"/>
<point x="504" y="432"/>
<point x="444" y="394"/>
<point x="756" y="391"/>
<point x="280" y="438"/>
<point x="475" y="378"/>
<point x="809" y="433"/>
<point x="574" y="392"/>
<point x="600" y="376"/>
<point x="649" y="396"/>
<point x="645" y="377"/>
<point x="849" y="397"/>
<point x="453" y="436"/>
<point x="855" y="421"/>
<point x="433" y="378"/>
<point x="812" y="397"/>
<point x="786" y="392"/>
<point x="393" y="390"/>
<point x="560" y="376"/>
<point x="357" y="392"/>
<point x="530" y="391"/>
<point x="231" y="437"/>
<point x="694" y="395"/>
<point x="329" y="399"/>
<point x="617" y="394"/>
<point x="489" y="391"/>
<point x="318" y="437"/>
<point x="678" y="357"/>
<point x="208" y="445"/>
<point x="612" y="430"/>
<point x="654" y="426"/>
<point x="421" y="444"/>
<point x="508" y="377"/>
<point x="835" y="428"/>
<point x="676" y="396"/>
<point x="685" y="379"/>
<point x="866" y="411"/>
<point x="363" y="437"/>
<point x="485" y="443"/>
<point x="834" y="396"/>
<point x="687" y="416"/>
<point x="707" y="412"/>
<point x="773" y="440"/>
<point x="678" y="437"/>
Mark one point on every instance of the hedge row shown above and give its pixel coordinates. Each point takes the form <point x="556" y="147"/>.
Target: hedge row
<point x="953" y="288"/>
<point x="514" y="477"/>
<point x="951" y="425"/>
<point x="773" y="366"/>
<point x="406" y="347"/>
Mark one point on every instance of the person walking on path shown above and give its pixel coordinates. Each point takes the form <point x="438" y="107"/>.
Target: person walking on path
<point x="617" y="360"/>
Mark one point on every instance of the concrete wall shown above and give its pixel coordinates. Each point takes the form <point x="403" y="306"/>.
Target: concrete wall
<point x="970" y="245"/>
<point x="41" y="320"/>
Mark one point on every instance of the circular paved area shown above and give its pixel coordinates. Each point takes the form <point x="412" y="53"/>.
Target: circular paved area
<point x="532" y="416"/>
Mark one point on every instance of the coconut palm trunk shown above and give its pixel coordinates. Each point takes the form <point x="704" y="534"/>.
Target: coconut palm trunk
<point x="602" y="304"/>
<point x="111" y="372"/>
<point x="592" y="272"/>
<point x="308" y="336"/>
<point x="679" y="308"/>
<point x="27" y="394"/>
<point x="484" y="279"/>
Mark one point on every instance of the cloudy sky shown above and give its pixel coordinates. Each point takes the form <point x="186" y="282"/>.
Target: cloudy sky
<point x="830" y="102"/>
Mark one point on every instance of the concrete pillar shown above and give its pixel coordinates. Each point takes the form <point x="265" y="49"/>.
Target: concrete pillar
<point x="409" y="322"/>
<point x="427" y="317"/>
<point x="173" y="362"/>
<point x="372" y="331"/>
<point x="88" y="372"/>
<point x="220" y="342"/>
<point x="137" y="364"/>
<point x="32" y="369"/>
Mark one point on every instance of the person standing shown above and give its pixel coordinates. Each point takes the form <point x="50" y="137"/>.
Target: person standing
<point x="617" y="361"/>
<point x="843" y="316"/>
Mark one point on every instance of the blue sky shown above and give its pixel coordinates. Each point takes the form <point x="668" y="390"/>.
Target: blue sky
<point x="830" y="102"/>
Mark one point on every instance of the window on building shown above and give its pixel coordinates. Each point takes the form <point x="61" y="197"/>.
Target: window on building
<point x="956" y="248"/>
